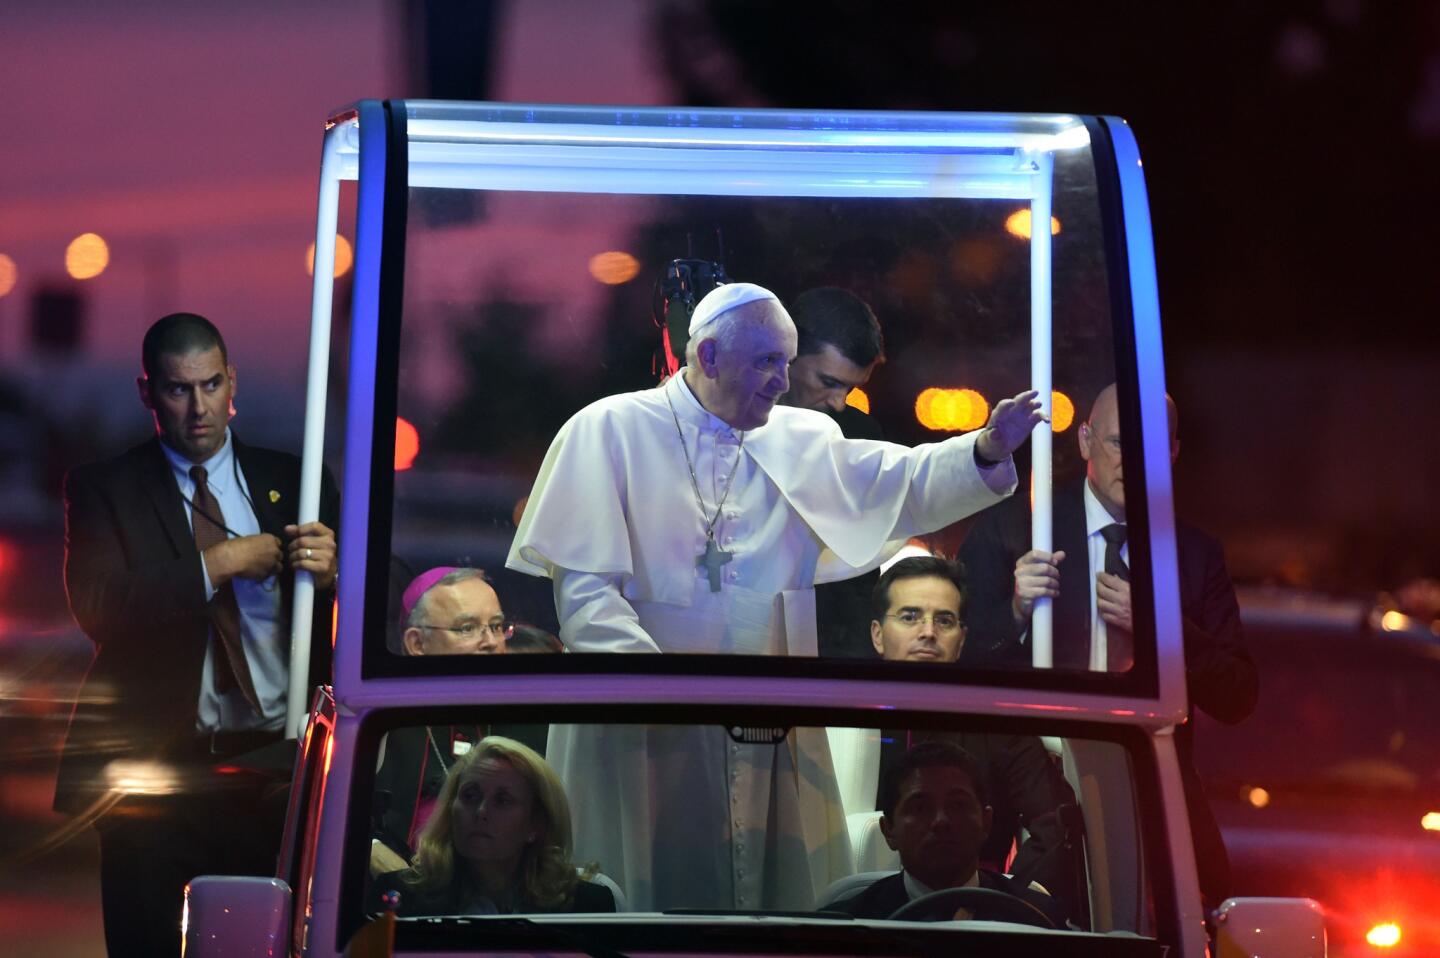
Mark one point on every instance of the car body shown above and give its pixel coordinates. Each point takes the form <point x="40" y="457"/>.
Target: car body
<point x="473" y="320"/>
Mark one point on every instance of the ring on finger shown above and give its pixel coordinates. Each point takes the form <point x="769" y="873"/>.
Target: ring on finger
<point x="309" y="553"/>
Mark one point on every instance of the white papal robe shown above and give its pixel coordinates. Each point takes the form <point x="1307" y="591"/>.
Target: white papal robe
<point x="686" y="817"/>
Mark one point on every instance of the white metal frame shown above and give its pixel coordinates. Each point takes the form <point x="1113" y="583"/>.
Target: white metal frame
<point x="521" y="156"/>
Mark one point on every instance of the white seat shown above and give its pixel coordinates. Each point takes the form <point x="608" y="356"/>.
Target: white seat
<point x="867" y="844"/>
<point x="605" y="881"/>
<point x="855" y="757"/>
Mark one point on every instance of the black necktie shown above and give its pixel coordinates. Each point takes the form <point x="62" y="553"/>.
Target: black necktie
<point x="1119" y="643"/>
<point x="230" y="667"/>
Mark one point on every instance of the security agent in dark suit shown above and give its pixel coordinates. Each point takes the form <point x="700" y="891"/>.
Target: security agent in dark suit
<point x="936" y="816"/>
<point x="1006" y="577"/>
<point x="917" y="615"/>
<point x="838" y="346"/>
<point x="179" y="566"/>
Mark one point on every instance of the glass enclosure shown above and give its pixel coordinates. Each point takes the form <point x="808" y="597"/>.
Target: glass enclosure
<point x="800" y="820"/>
<point x="547" y="253"/>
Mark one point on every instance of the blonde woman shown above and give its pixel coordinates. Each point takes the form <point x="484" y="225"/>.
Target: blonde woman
<point x="497" y="842"/>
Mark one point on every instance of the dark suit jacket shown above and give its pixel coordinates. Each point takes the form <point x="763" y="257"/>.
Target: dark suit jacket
<point x="882" y="899"/>
<point x="136" y="588"/>
<point x="1220" y="673"/>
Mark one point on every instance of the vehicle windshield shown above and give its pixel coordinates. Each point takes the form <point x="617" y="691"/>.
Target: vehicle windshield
<point x="488" y="814"/>
<point x="546" y="269"/>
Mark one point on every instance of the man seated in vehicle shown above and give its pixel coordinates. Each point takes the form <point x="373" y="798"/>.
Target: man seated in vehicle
<point x="935" y="815"/>
<point x="918" y="610"/>
<point x="445" y="611"/>
<point x="452" y="611"/>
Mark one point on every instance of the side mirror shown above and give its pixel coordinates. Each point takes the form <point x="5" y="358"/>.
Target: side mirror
<point x="234" y="916"/>
<point x="1270" y="928"/>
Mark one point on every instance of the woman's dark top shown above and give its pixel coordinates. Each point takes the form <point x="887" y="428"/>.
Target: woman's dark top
<point x="589" y="897"/>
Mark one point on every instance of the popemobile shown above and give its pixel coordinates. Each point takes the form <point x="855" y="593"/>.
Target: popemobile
<point x="758" y="786"/>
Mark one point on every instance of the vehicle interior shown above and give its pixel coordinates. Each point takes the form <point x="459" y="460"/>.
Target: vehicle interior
<point x="1064" y="820"/>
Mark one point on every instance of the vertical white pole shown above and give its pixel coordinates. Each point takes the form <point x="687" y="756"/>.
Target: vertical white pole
<point x="1041" y="380"/>
<point x="312" y="448"/>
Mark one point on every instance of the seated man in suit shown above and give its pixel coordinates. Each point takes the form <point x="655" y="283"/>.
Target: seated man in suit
<point x="444" y="611"/>
<point x="918" y="616"/>
<point x="935" y="815"/>
<point x="452" y="611"/>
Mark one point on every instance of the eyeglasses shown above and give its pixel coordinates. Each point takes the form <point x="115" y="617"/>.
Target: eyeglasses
<point x="912" y="619"/>
<point x="500" y="629"/>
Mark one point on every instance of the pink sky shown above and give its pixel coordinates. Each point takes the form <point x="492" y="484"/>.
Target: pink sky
<point x="188" y="135"/>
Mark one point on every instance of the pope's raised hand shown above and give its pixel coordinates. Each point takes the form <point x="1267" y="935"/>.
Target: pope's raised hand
<point x="1010" y="425"/>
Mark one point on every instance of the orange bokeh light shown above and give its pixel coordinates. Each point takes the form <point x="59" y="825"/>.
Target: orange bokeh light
<point x="9" y="274"/>
<point x="344" y="257"/>
<point x="1062" y="411"/>
<point x="407" y="444"/>
<point x="951" y="410"/>
<point x="1258" y="797"/>
<point x="87" y="256"/>
<point x="857" y="398"/>
<point x="1018" y="224"/>
<point x="614" y="267"/>
<point x="1431" y="822"/>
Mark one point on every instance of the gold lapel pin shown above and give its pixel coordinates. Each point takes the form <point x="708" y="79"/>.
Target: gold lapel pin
<point x="274" y="496"/>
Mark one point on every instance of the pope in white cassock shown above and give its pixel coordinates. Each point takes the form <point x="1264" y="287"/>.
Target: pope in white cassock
<point x="697" y="517"/>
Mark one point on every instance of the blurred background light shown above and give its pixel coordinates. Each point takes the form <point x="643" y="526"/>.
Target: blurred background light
<point x="407" y="444"/>
<point x="1062" y="411"/>
<point x="1393" y="621"/>
<point x="1431" y="822"/>
<point x="976" y="261"/>
<point x="1018" y="224"/>
<point x="87" y="256"/>
<point x="8" y="274"/>
<point x="1258" y="797"/>
<point x="614" y="267"/>
<point x="857" y="398"/>
<point x="134" y="777"/>
<point x="951" y="410"/>
<point x="344" y="257"/>
<point x="1384" y="935"/>
<point x="923" y="402"/>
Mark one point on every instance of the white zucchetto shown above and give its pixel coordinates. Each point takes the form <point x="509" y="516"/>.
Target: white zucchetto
<point x="722" y="299"/>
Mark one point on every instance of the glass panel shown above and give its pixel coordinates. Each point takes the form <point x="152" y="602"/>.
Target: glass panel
<point x="495" y="818"/>
<point x="550" y="264"/>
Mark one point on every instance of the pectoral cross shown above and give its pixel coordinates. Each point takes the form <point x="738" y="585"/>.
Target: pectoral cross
<point x="712" y="560"/>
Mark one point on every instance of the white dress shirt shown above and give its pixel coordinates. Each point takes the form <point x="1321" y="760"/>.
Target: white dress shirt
<point x="259" y="602"/>
<point x="1096" y="518"/>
